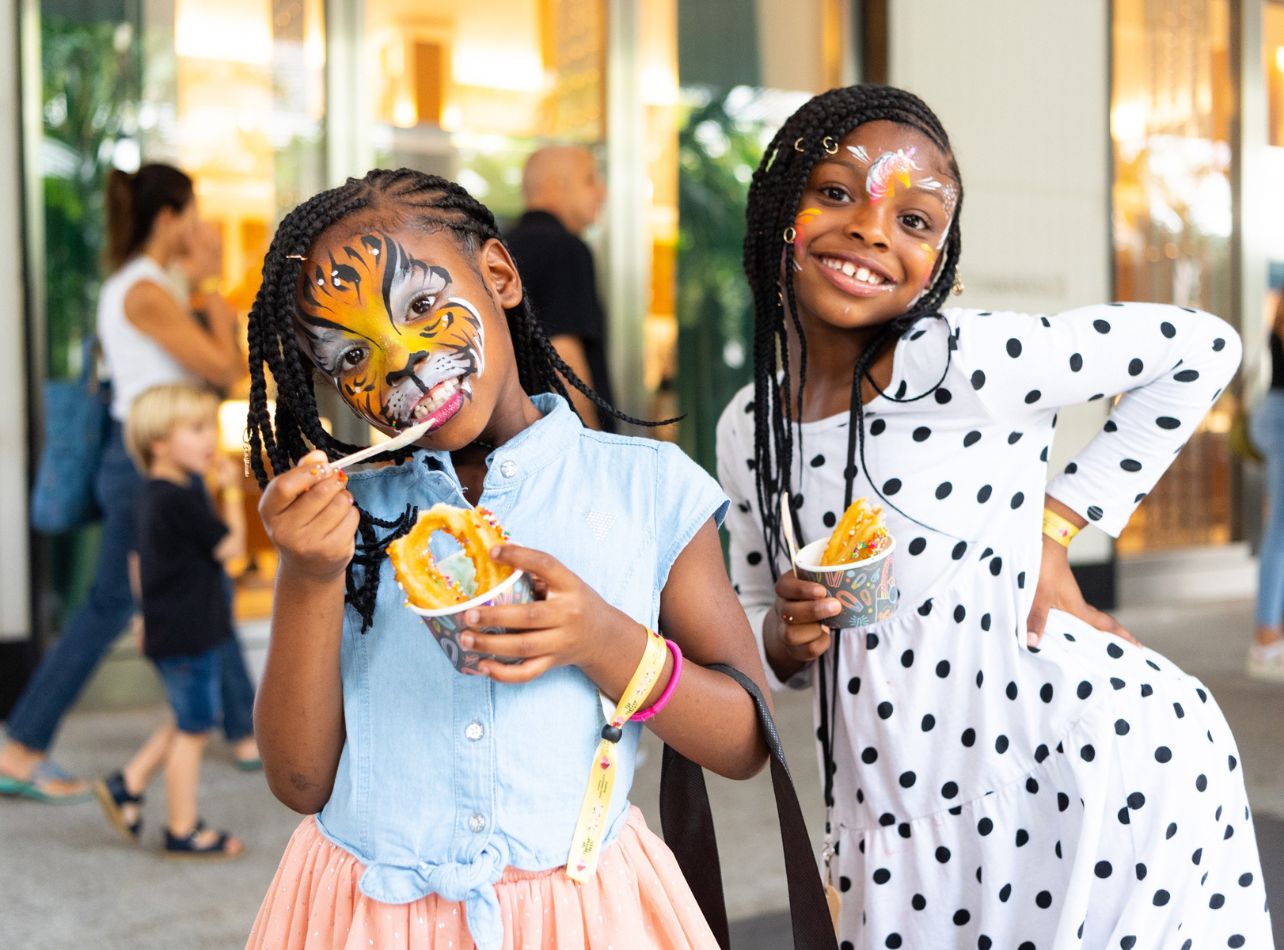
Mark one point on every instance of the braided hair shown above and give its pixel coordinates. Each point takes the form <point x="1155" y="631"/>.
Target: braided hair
<point x="774" y="194"/>
<point x="277" y="441"/>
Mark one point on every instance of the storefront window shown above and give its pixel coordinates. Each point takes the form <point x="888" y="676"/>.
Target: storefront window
<point x="232" y="91"/>
<point x="1170" y="118"/>
<point x="467" y="91"/>
<point x="744" y="68"/>
<point x="1272" y="178"/>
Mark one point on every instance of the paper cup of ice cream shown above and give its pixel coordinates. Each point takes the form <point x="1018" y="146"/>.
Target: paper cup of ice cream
<point x="446" y="624"/>
<point x="866" y="589"/>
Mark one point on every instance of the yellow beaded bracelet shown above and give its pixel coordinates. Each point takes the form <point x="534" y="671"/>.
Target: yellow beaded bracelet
<point x="1058" y="528"/>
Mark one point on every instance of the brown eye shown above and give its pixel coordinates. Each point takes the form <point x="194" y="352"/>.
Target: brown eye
<point x="353" y="358"/>
<point x="421" y="305"/>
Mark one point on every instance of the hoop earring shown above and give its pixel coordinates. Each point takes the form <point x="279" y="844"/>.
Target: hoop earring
<point x="830" y="146"/>
<point x="958" y="287"/>
<point x="789" y="234"/>
<point x="798" y="146"/>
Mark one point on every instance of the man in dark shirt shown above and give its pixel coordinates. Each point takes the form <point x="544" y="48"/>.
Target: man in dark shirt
<point x="563" y="195"/>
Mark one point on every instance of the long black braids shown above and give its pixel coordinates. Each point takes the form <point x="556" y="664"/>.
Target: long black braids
<point x="774" y="195"/>
<point x="277" y="441"/>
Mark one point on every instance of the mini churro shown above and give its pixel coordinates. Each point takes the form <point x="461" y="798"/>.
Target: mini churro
<point x="860" y="534"/>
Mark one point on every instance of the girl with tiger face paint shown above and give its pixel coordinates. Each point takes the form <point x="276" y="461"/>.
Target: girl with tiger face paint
<point x="394" y="328"/>
<point x="398" y="288"/>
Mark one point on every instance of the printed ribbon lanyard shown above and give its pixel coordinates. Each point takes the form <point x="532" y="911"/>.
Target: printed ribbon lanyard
<point x="581" y="864"/>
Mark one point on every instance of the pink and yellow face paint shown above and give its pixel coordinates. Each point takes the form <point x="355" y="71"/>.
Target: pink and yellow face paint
<point x="899" y="168"/>
<point x="804" y="217"/>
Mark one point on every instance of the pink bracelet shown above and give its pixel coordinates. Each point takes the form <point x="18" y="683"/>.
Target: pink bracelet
<point x="642" y="715"/>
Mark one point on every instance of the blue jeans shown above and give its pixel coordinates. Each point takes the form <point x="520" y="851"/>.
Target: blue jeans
<point x="68" y="664"/>
<point x="1267" y="429"/>
<point x="236" y="692"/>
<point x="192" y="688"/>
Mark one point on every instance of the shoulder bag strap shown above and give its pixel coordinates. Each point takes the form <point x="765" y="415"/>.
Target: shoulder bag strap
<point x="687" y="823"/>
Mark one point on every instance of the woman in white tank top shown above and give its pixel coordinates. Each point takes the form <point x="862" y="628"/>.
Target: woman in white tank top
<point x="149" y="336"/>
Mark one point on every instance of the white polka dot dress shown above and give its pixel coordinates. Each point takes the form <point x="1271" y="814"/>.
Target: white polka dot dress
<point x="1085" y="793"/>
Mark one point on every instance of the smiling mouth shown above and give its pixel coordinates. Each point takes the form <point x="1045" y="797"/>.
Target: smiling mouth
<point x="856" y="272"/>
<point x="446" y="395"/>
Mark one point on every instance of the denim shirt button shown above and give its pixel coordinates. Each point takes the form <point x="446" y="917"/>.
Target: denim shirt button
<point x="508" y="468"/>
<point x="476" y="823"/>
<point x="474" y="731"/>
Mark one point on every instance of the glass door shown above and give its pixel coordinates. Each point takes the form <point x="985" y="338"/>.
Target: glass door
<point x="1172" y="98"/>
<point x="232" y="91"/>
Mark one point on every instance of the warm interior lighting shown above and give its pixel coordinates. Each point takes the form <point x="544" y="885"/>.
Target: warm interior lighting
<point x="231" y="424"/>
<point x="230" y="30"/>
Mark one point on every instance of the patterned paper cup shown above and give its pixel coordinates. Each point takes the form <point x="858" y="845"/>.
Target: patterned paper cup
<point x="447" y="623"/>
<point x="866" y="589"/>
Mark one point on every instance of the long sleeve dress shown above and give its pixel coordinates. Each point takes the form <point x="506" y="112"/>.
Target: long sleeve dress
<point x="1084" y="793"/>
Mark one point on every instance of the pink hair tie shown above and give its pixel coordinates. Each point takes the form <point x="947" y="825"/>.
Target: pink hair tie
<point x="643" y="715"/>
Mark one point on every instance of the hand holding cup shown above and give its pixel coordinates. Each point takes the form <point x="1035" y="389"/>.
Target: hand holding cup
<point x="793" y="633"/>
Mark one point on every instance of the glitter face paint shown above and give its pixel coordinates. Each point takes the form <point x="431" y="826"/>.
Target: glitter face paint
<point x="381" y="324"/>
<point x="889" y="169"/>
<point x="873" y="222"/>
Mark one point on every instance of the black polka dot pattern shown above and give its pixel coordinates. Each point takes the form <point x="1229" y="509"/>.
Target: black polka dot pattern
<point x="945" y="703"/>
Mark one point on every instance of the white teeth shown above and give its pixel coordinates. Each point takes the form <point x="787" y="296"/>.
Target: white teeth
<point x="440" y="394"/>
<point x="863" y="274"/>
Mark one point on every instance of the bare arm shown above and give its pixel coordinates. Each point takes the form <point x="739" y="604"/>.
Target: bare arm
<point x="298" y="712"/>
<point x="233" y="544"/>
<point x="571" y="350"/>
<point x="232" y="497"/>
<point x="212" y="354"/>
<point x="709" y="718"/>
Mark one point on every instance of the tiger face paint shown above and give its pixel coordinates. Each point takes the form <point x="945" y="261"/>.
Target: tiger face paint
<point x="389" y="332"/>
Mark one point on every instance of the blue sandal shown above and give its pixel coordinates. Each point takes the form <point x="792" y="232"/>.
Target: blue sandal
<point x="114" y="796"/>
<point x="46" y="770"/>
<point x="186" y="846"/>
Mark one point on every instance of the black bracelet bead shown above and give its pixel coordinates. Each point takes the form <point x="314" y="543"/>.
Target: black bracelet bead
<point x="612" y="733"/>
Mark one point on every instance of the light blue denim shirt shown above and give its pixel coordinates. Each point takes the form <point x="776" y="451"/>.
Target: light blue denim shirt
<point x="446" y="779"/>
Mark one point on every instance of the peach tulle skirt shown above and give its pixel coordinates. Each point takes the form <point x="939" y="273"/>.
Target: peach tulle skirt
<point x="639" y="900"/>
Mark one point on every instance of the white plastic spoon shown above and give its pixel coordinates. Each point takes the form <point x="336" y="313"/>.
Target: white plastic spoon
<point x="787" y="524"/>
<point x="413" y="434"/>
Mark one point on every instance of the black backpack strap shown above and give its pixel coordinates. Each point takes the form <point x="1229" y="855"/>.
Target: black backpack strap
<point x="687" y="823"/>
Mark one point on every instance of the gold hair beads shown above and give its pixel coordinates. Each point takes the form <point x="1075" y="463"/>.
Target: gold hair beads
<point x="958" y="287"/>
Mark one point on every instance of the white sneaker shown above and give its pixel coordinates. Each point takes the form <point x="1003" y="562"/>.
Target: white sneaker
<point x="1266" y="660"/>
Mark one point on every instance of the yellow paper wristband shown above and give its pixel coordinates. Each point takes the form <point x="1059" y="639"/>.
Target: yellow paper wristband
<point x="1058" y="528"/>
<point x="581" y="864"/>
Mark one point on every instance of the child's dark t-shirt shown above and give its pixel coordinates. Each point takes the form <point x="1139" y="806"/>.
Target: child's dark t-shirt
<point x="185" y="603"/>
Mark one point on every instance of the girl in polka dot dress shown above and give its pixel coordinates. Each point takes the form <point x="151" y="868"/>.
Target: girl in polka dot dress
<point x="988" y="786"/>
